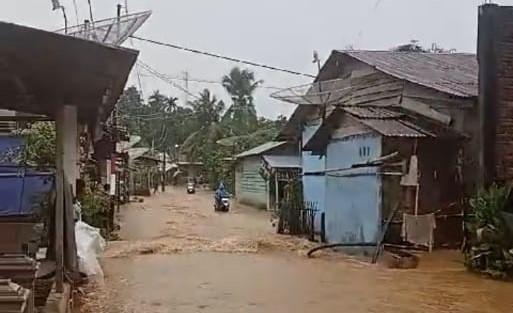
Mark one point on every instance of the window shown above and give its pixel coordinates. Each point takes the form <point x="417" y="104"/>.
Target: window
<point x="364" y="151"/>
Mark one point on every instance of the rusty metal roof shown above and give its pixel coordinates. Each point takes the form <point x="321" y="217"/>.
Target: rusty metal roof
<point x="451" y="73"/>
<point x="392" y="128"/>
<point x="372" y="112"/>
<point x="283" y="161"/>
<point x="386" y="122"/>
<point x="268" y="146"/>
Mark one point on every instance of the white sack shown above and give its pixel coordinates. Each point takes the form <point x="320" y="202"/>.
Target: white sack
<point x="90" y="244"/>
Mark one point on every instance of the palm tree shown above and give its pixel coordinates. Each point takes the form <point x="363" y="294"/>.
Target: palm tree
<point x="241" y="84"/>
<point x="207" y="111"/>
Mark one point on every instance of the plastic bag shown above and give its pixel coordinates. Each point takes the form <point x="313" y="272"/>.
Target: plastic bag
<point x="90" y="244"/>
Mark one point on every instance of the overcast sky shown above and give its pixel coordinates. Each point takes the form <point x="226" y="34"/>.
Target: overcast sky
<point x="281" y="33"/>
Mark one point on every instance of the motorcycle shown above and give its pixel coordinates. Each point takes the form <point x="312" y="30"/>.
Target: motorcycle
<point x="223" y="205"/>
<point x="191" y="188"/>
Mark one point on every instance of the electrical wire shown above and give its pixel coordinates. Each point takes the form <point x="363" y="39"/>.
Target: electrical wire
<point x="206" y="81"/>
<point x="218" y="56"/>
<point x="163" y="77"/>
<point x="137" y="69"/>
<point x="377" y="4"/>
<point x="90" y="11"/>
<point x="76" y="11"/>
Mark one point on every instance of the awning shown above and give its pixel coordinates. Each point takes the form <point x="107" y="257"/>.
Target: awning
<point x="41" y="70"/>
<point x="282" y="161"/>
<point x="261" y="149"/>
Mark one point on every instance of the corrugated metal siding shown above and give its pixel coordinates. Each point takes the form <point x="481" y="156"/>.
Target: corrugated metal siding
<point x="352" y="201"/>
<point x="251" y="186"/>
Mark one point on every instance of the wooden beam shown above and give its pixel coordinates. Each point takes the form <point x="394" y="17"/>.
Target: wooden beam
<point x="59" y="222"/>
<point x="25" y="118"/>
<point x="59" y="207"/>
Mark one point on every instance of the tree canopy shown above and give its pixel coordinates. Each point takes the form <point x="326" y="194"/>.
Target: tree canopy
<point x="206" y="129"/>
<point x="414" y="46"/>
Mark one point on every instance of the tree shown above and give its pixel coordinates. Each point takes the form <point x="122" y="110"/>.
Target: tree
<point x="40" y="144"/>
<point x="207" y="114"/>
<point x="207" y="109"/>
<point x="241" y="116"/>
<point x="160" y="122"/>
<point x="414" y="46"/>
<point x="130" y="104"/>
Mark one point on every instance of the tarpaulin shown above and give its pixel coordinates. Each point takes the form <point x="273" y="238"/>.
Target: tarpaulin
<point x="22" y="190"/>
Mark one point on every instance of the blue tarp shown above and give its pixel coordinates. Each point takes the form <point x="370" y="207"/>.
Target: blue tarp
<point x="21" y="189"/>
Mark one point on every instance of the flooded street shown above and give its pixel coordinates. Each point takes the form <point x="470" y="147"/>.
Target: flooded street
<point x="177" y="255"/>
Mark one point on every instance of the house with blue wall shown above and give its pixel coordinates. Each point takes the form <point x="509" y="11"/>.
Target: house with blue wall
<point x="387" y="111"/>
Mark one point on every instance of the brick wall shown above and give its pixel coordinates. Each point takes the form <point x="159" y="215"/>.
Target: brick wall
<point x="495" y="55"/>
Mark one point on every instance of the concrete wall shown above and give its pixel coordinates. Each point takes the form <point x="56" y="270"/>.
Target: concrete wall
<point x="353" y="197"/>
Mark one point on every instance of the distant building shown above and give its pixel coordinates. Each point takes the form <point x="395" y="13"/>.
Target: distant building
<point x="250" y="185"/>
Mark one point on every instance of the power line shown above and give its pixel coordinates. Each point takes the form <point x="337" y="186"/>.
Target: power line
<point x="76" y="11"/>
<point x="137" y="69"/>
<point x="218" y="56"/>
<point x="90" y="11"/>
<point x="165" y="79"/>
<point x="207" y="81"/>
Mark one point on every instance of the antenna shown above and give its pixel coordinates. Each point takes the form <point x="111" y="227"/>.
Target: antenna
<point x="113" y="31"/>
<point x="90" y="11"/>
<point x="56" y="5"/>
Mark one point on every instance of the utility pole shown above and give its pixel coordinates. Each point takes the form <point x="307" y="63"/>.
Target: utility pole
<point x="186" y="85"/>
<point x="163" y="171"/>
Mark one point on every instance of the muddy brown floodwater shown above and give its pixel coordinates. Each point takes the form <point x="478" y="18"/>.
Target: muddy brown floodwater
<point x="177" y="255"/>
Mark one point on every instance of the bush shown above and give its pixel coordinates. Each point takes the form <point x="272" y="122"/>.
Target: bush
<point x="490" y="243"/>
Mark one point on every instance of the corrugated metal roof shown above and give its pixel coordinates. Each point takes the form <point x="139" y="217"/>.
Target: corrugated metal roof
<point x="134" y="153"/>
<point x="283" y="161"/>
<point x="452" y="73"/>
<point x="261" y="149"/>
<point x="372" y="112"/>
<point x="392" y="128"/>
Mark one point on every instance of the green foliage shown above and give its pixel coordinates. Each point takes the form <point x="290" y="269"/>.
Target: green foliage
<point x="414" y="46"/>
<point x="487" y="205"/>
<point x="95" y="206"/>
<point x="206" y="130"/>
<point x="40" y="146"/>
<point x="490" y="245"/>
<point x="161" y="123"/>
<point x="241" y="117"/>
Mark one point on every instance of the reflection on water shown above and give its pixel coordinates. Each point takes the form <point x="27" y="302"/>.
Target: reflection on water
<point x="234" y="263"/>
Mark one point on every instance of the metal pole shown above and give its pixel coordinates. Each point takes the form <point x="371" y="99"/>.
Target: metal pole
<point x="164" y="172"/>
<point x="277" y="191"/>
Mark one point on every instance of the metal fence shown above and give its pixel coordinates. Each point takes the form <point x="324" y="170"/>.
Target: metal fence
<point x="298" y="221"/>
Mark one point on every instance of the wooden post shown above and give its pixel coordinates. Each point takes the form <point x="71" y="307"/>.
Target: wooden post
<point x="164" y="172"/>
<point x="66" y="164"/>
<point x="277" y="191"/>
<point x="59" y="202"/>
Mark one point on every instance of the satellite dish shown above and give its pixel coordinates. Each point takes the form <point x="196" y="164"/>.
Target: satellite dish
<point x="112" y="31"/>
<point x="320" y="93"/>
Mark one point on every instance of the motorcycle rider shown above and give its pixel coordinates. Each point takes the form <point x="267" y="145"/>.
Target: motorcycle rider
<point x="220" y="193"/>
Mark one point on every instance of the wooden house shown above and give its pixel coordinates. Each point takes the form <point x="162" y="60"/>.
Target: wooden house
<point x="392" y="109"/>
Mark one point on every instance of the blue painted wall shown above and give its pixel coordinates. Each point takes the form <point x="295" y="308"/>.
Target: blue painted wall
<point x="314" y="186"/>
<point x="353" y="200"/>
